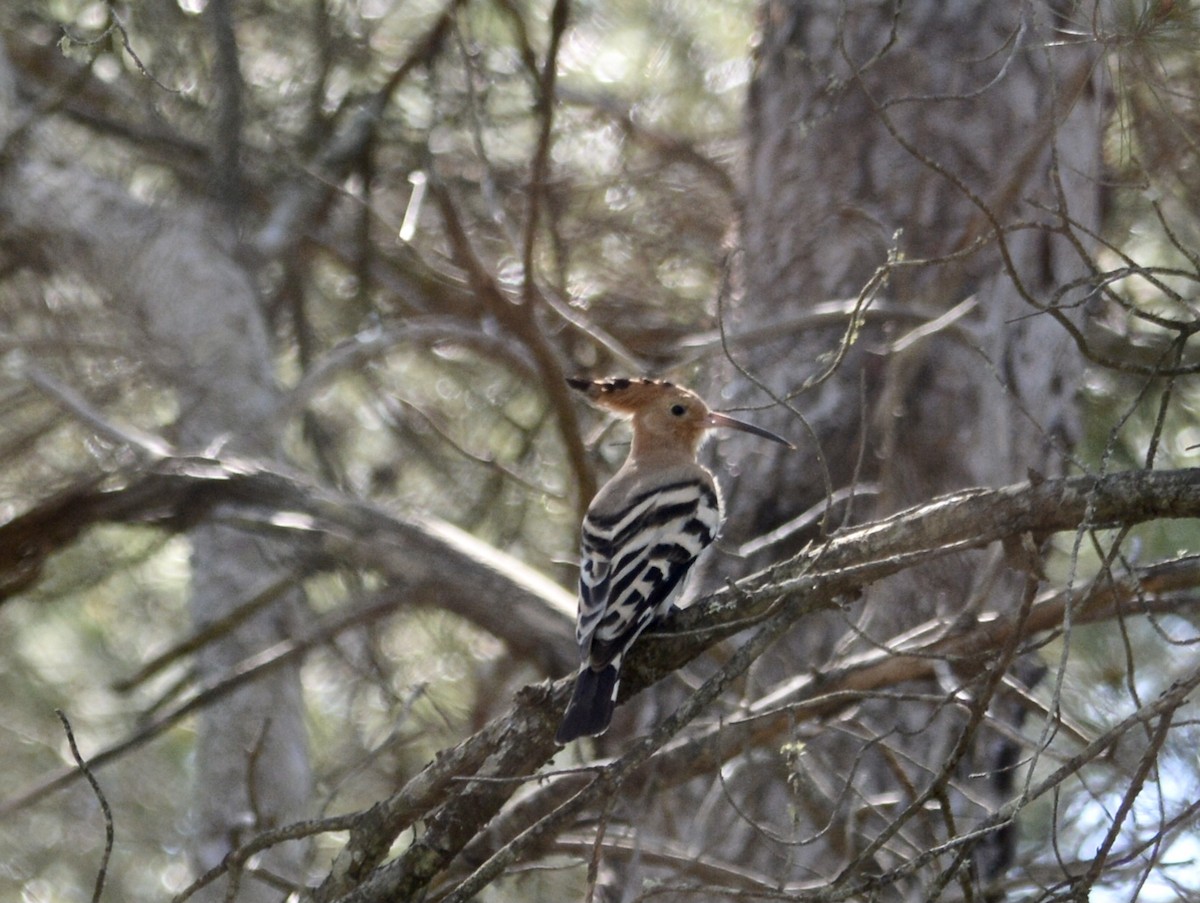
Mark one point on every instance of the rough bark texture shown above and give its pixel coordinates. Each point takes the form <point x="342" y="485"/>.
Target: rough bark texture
<point x="196" y="320"/>
<point x="876" y="135"/>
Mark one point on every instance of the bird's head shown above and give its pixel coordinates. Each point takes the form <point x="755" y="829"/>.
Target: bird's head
<point x="664" y="415"/>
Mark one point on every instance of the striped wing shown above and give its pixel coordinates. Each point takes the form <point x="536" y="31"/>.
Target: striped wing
<point x="634" y="561"/>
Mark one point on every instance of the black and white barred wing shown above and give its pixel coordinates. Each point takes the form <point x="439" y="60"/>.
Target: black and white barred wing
<point x="634" y="562"/>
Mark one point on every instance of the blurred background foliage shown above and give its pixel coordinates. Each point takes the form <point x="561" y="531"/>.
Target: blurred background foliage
<point x="420" y="405"/>
<point x="451" y="420"/>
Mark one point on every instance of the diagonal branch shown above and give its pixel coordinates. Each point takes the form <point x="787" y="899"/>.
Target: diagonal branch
<point x="519" y="320"/>
<point x="807" y="583"/>
<point x="294" y="212"/>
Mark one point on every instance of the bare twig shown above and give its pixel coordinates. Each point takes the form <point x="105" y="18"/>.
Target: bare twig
<point x="240" y="855"/>
<point x="84" y="768"/>
<point x="520" y="320"/>
<point x="295" y="210"/>
<point x="210" y="631"/>
<point x="248" y="670"/>
<point x="74" y="403"/>
<point x="115" y="25"/>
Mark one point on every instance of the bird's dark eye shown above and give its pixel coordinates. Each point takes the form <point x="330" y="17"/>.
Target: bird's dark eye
<point x="678" y="410"/>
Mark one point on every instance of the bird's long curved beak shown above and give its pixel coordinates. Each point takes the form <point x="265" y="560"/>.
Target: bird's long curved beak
<point x="725" y="421"/>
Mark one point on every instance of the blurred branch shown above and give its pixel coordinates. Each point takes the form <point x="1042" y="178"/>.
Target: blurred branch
<point x="521" y="321"/>
<point x="547" y="91"/>
<point x="809" y="519"/>
<point x="824" y="315"/>
<point x="246" y="671"/>
<point x="211" y="631"/>
<point x="102" y="873"/>
<point x="520" y="317"/>
<point x="115" y="26"/>
<point x="524" y="46"/>
<point x="294" y="211"/>
<point x="485" y="460"/>
<point x="227" y="78"/>
<point x="53" y="98"/>
<point x="73" y="89"/>
<point x="624" y="357"/>
<point x="539" y="169"/>
<point x="678" y="855"/>
<point x="424" y="332"/>
<point x="532" y="614"/>
<point x="73" y="403"/>
<point x="670" y="148"/>
<point x="239" y="856"/>
<point x="410" y="281"/>
<point x="531" y="289"/>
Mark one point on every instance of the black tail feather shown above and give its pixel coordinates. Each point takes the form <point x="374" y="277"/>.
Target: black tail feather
<point x="591" y="707"/>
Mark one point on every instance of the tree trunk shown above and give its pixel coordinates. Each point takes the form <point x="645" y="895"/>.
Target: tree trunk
<point x="916" y="136"/>
<point x="198" y="324"/>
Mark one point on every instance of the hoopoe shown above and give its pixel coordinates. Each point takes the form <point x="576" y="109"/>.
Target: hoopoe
<point x="642" y="533"/>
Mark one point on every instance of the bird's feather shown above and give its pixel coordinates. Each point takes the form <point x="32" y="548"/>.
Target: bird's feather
<point x="633" y="563"/>
<point x="642" y="533"/>
<point x="634" y="560"/>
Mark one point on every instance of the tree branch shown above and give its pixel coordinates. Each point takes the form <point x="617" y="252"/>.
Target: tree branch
<point x="178" y="491"/>
<point x="102" y="872"/>
<point x="435" y="560"/>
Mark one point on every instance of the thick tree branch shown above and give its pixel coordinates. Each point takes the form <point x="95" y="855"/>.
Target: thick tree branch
<point x="807" y="583"/>
<point x="435" y="560"/>
<point x="177" y="492"/>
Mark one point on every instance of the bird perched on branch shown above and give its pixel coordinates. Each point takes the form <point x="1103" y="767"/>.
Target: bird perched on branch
<point x="641" y="534"/>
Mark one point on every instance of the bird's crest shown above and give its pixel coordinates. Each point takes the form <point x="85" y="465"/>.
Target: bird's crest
<point x="669" y="421"/>
<point x="624" y="394"/>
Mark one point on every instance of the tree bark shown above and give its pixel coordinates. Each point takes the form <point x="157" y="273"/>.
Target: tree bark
<point x="196" y="321"/>
<point x="892" y="152"/>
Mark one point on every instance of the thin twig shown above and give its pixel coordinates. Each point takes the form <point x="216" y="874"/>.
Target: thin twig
<point x="116" y="25"/>
<point x="209" y="632"/>
<point x="74" y="403"/>
<point x="248" y="670"/>
<point x="235" y="858"/>
<point x="102" y="874"/>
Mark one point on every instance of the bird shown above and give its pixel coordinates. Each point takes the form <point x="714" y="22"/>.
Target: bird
<point x="641" y="534"/>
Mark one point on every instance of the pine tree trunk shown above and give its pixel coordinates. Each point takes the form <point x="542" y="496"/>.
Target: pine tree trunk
<point x="875" y="135"/>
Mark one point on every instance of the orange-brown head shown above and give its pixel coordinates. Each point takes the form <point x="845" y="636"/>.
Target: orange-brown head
<point x="667" y="419"/>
